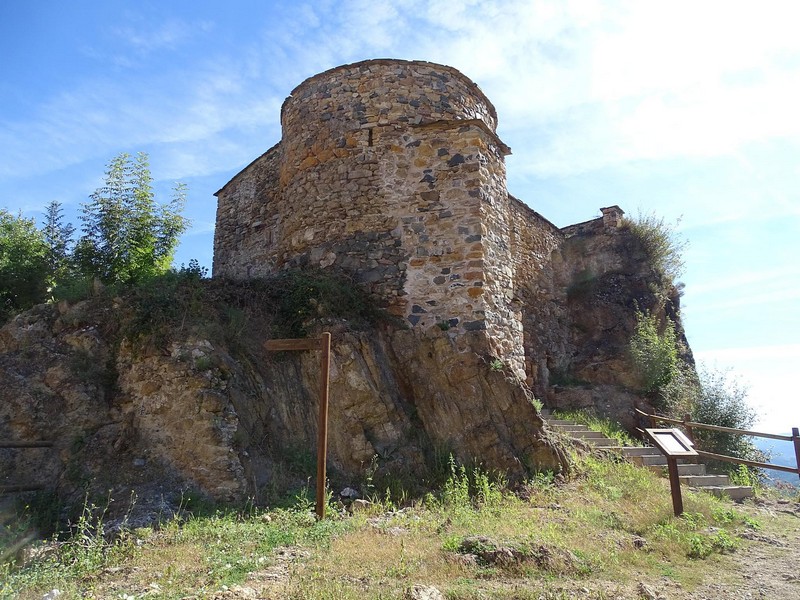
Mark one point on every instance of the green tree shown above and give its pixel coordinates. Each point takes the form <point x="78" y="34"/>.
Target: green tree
<point x="722" y="401"/>
<point x="58" y="237"/>
<point x="24" y="268"/>
<point x="127" y="236"/>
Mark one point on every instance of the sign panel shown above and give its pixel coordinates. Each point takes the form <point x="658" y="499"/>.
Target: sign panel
<point x="671" y="442"/>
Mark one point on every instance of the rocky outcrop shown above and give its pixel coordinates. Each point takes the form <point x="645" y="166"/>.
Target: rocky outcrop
<point x="601" y="278"/>
<point x="204" y="415"/>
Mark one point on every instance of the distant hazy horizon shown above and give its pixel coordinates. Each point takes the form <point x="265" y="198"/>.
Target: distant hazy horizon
<point x="780" y="453"/>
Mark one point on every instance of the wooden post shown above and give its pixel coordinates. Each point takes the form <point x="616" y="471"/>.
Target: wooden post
<point x="673" y="444"/>
<point x="796" y="441"/>
<point x="323" y="343"/>
<point x="688" y="428"/>
<point x="322" y="434"/>
<point x="675" y="486"/>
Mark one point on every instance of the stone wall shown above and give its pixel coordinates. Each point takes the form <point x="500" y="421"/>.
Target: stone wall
<point x="248" y="219"/>
<point x="537" y="293"/>
<point x="391" y="172"/>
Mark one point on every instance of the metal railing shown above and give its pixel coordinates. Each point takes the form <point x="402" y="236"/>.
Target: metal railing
<point x="689" y="426"/>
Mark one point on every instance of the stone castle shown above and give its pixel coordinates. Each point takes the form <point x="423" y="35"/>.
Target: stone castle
<point x="391" y="171"/>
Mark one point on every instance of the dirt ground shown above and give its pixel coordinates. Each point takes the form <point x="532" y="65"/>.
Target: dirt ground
<point x="768" y="565"/>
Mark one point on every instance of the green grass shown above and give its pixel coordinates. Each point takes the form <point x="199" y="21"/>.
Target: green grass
<point x="474" y="537"/>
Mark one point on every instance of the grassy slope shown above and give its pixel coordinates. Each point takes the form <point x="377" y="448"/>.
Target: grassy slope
<point x="598" y="535"/>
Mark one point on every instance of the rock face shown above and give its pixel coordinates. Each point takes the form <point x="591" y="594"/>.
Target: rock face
<point x="201" y="416"/>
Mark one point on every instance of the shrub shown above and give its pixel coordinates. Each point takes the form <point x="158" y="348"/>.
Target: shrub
<point x="654" y="353"/>
<point x="23" y="264"/>
<point x="722" y="401"/>
<point x="660" y="242"/>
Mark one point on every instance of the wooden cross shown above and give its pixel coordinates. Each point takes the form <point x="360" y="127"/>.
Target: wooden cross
<point x="322" y="343"/>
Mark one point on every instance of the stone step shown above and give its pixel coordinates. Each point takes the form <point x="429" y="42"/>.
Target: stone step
<point x="569" y="429"/>
<point x="637" y="451"/>
<point x="688" y="469"/>
<point x="601" y="442"/>
<point x="691" y="474"/>
<point x="734" y="492"/>
<point x="586" y="434"/>
<point x="649" y="459"/>
<point x="705" y="480"/>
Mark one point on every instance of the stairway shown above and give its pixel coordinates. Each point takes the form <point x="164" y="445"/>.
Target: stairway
<point x="693" y="475"/>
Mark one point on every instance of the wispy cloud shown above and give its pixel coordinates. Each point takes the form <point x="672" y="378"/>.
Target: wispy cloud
<point x="579" y="86"/>
<point x="146" y="38"/>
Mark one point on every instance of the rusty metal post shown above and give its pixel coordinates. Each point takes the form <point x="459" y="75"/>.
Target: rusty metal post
<point x="322" y="434"/>
<point x="675" y="486"/>
<point x="796" y="441"/>
<point x="688" y="428"/>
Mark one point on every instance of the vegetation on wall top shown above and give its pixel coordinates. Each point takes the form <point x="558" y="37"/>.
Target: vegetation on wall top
<point x="662" y="245"/>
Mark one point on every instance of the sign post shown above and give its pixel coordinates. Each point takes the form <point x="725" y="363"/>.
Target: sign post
<point x="673" y="444"/>
<point x="323" y="343"/>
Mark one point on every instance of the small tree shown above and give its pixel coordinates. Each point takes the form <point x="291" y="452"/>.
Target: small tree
<point x="127" y="236"/>
<point x="58" y="237"/>
<point x="723" y="401"/>
<point x="23" y="264"/>
<point x="654" y="353"/>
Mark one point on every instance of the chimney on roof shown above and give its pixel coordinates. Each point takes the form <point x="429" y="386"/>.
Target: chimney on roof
<point x="612" y="216"/>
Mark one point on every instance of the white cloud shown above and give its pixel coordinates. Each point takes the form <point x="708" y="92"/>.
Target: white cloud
<point x="769" y="276"/>
<point x="627" y="81"/>
<point x="164" y="35"/>
<point x="579" y="85"/>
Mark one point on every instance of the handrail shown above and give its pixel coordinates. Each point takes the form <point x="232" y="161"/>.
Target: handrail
<point x="750" y="463"/>
<point x="690" y="425"/>
<point x="773" y="436"/>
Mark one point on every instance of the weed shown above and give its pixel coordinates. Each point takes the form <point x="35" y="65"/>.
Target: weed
<point x="455" y="493"/>
<point x="496" y="364"/>
<point x="699" y="547"/>
<point x="702" y="546"/>
<point x="654" y="352"/>
<point x="693" y="520"/>
<point x="203" y="363"/>
<point x="744" y="475"/>
<point x="722" y="542"/>
<point x="723" y="514"/>
<point x="751" y="523"/>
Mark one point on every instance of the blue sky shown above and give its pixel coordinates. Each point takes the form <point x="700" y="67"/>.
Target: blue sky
<point x="688" y="109"/>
